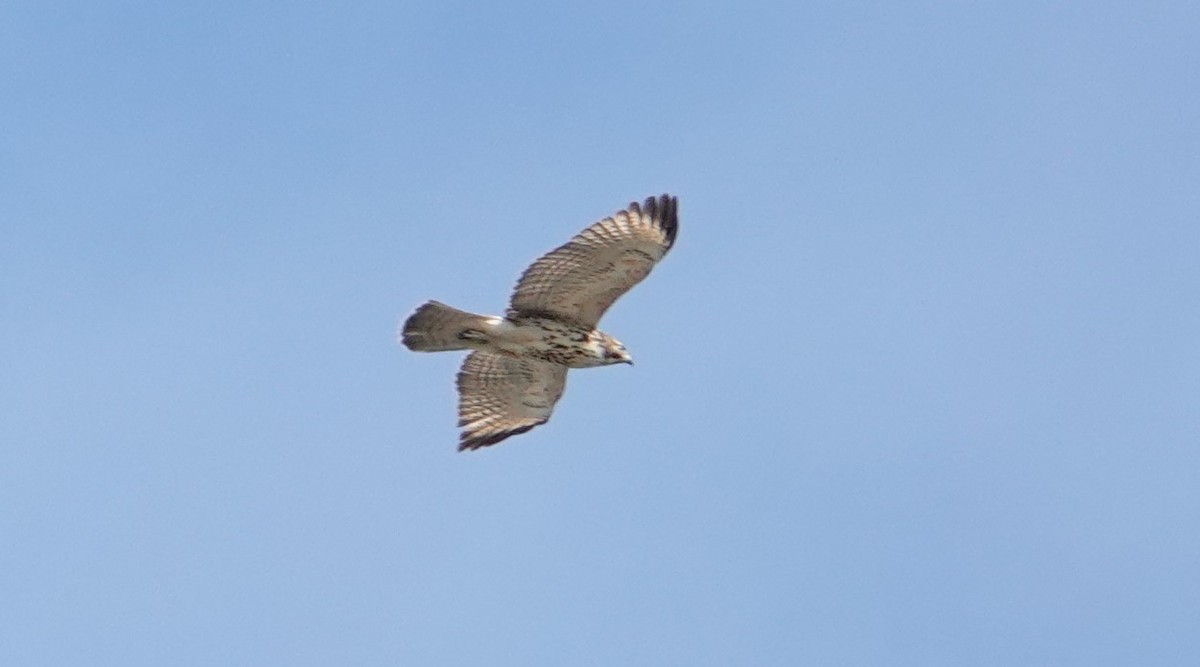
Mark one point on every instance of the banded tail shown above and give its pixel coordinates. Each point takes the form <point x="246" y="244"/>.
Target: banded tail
<point x="436" y="327"/>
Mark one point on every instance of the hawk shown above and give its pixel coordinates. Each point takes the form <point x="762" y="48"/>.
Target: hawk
<point x="517" y="370"/>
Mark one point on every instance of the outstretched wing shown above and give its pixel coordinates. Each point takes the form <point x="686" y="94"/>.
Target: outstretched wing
<point x="500" y="395"/>
<point x="579" y="280"/>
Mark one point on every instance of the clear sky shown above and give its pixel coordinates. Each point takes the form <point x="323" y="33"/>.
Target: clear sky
<point x="918" y="385"/>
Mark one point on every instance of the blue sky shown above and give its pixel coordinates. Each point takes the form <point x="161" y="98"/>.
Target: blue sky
<point x="918" y="385"/>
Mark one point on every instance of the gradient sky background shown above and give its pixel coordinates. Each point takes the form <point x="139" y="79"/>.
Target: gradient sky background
<point x="918" y="385"/>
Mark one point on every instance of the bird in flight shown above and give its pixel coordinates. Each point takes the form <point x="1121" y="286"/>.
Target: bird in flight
<point x="517" y="370"/>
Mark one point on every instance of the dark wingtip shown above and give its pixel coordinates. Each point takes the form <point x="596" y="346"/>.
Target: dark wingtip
<point x="468" y="443"/>
<point x="664" y="211"/>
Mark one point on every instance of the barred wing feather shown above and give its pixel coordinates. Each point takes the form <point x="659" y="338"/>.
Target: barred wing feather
<point x="578" y="281"/>
<point x="500" y="395"/>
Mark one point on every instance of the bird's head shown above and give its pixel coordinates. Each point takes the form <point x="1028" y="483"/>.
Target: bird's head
<point x="614" y="351"/>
